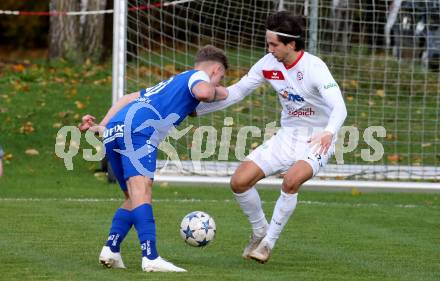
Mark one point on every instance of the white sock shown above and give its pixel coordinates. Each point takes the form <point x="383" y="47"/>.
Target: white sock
<point x="284" y="208"/>
<point x="250" y="203"/>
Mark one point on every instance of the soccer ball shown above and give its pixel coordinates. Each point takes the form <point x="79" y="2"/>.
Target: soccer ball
<point x="197" y="229"/>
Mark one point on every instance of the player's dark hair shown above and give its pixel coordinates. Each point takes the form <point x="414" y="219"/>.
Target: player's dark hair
<point x="287" y="23"/>
<point x="211" y="53"/>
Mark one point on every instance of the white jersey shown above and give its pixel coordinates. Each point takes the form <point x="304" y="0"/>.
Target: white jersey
<point x="309" y="95"/>
<point x="299" y="88"/>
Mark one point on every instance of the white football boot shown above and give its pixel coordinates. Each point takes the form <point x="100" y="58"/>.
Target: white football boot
<point x="254" y="241"/>
<point x="262" y="253"/>
<point x="109" y="259"/>
<point x="252" y="245"/>
<point x="159" y="265"/>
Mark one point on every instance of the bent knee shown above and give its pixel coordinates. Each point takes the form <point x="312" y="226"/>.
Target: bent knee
<point x="291" y="184"/>
<point x="239" y="184"/>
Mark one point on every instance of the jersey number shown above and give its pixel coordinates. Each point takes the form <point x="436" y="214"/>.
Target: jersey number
<point x="156" y="88"/>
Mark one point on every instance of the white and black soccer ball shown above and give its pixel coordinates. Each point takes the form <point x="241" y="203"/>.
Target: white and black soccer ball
<point x="197" y="229"/>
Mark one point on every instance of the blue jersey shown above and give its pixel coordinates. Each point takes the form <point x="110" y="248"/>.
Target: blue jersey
<point x="160" y="107"/>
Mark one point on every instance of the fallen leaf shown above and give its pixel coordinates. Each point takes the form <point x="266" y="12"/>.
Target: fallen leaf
<point x="79" y="105"/>
<point x="73" y="92"/>
<point x="102" y="81"/>
<point x="355" y="191"/>
<point x="64" y="114"/>
<point x="391" y="137"/>
<point x="32" y="152"/>
<point x="57" y="125"/>
<point x="59" y="80"/>
<point x="18" y="86"/>
<point x="18" y="67"/>
<point x="349" y="84"/>
<point x="380" y="93"/>
<point x="8" y="157"/>
<point x="394" y="158"/>
<point x="426" y="144"/>
<point x="27" y="128"/>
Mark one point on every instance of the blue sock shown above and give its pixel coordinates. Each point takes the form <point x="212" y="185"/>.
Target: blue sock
<point x="121" y="224"/>
<point x="144" y="223"/>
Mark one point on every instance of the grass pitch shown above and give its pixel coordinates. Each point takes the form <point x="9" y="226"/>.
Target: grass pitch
<point x="332" y="235"/>
<point x="54" y="222"/>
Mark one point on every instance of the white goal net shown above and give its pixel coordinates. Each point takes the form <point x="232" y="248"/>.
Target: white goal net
<point x="384" y="55"/>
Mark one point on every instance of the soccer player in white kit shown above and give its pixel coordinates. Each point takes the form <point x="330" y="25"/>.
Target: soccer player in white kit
<point x="313" y="111"/>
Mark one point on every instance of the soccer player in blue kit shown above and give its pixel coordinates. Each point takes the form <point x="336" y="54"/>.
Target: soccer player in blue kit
<point x="134" y="127"/>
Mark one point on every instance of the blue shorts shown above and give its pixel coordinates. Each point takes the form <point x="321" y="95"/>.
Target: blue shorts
<point x="124" y="163"/>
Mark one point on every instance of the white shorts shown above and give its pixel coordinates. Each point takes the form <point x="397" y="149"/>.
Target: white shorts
<point x="285" y="148"/>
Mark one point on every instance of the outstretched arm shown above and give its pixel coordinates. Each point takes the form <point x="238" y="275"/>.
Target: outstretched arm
<point x="234" y="93"/>
<point x="88" y="121"/>
<point x="206" y="92"/>
<point x="122" y="102"/>
<point x="232" y="98"/>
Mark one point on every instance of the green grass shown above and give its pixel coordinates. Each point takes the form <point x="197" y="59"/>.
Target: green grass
<point x="332" y="236"/>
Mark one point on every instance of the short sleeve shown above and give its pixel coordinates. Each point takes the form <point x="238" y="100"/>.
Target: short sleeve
<point x="199" y="76"/>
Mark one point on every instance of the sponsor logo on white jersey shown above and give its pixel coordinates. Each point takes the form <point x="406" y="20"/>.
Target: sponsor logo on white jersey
<point x="273" y="75"/>
<point x="286" y="93"/>
<point x="330" y="85"/>
<point x="308" y="111"/>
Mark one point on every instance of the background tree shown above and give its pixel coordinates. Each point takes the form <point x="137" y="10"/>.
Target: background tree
<point x="64" y="32"/>
<point x="92" y="30"/>
<point x="77" y="38"/>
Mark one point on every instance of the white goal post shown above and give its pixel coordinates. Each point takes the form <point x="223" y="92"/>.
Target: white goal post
<point x="382" y="54"/>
